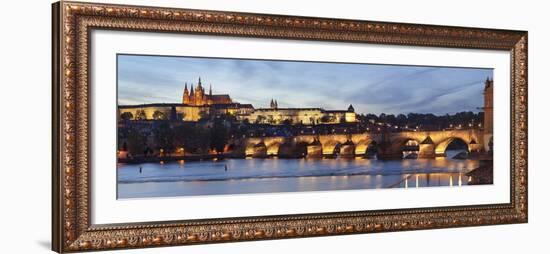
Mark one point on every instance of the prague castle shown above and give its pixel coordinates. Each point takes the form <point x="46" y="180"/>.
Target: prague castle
<point x="199" y="98"/>
<point x="308" y="116"/>
<point x="197" y="104"/>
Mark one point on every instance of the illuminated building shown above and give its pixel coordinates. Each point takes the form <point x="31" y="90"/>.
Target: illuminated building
<point x="196" y="104"/>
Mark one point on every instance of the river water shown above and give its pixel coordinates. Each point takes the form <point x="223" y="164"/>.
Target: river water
<point x="240" y="176"/>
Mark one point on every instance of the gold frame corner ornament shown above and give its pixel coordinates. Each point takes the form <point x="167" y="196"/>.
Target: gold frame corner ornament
<point x="71" y="226"/>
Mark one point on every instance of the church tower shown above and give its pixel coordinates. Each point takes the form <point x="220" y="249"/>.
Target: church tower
<point x="273" y="104"/>
<point x="199" y="94"/>
<point x="349" y="115"/>
<point x="186" y="99"/>
<point x="192" y="96"/>
<point x="209" y="99"/>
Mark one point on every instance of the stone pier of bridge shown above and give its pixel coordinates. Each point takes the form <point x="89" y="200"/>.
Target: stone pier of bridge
<point x="431" y="144"/>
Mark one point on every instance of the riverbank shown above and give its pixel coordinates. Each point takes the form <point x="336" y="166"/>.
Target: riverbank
<point x="200" y="157"/>
<point x="195" y="157"/>
<point x="482" y="174"/>
<point x="188" y="157"/>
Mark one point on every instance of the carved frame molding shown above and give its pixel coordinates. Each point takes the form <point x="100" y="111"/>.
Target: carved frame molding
<point x="71" y="226"/>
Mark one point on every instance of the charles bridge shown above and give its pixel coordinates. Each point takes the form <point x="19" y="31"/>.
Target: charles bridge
<point x="429" y="144"/>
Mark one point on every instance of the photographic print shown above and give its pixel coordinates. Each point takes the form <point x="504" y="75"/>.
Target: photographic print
<point x="210" y="126"/>
<point x="174" y="126"/>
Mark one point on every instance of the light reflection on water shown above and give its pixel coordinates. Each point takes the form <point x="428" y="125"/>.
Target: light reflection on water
<point x="188" y="178"/>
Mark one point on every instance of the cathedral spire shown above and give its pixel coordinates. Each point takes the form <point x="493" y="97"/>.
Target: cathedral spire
<point x="192" y="91"/>
<point x="210" y="90"/>
<point x="273" y="104"/>
<point x="185" y="99"/>
<point x="200" y="83"/>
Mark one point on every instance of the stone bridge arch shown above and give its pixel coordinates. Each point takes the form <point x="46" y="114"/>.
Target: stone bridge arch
<point x="434" y="143"/>
<point x="314" y="149"/>
<point x="362" y="146"/>
<point x="263" y="147"/>
<point x="394" y="148"/>
<point x="258" y="150"/>
<point x="299" y="149"/>
<point x="441" y="148"/>
<point x="330" y="146"/>
<point x="273" y="149"/>
<point x="388" y="145"/>
<point x="347" y="149"/>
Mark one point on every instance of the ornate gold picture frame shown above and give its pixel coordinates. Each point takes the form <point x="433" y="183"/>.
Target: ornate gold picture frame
<point x="72" y="229"/>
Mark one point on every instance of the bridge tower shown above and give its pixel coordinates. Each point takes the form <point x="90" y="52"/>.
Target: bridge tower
<point x="488" y="115"/>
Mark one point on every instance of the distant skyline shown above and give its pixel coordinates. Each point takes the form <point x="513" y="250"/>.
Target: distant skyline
<point x="371" y="88"/>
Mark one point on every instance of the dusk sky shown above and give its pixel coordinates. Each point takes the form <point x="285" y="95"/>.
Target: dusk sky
<point x="370" y="88"/>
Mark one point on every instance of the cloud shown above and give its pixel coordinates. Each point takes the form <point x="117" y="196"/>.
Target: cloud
<point x="370" y="88"/>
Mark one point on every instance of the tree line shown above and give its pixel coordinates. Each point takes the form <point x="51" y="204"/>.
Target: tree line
<point x="193" y="137"/>
<point x="418" y="119"/>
